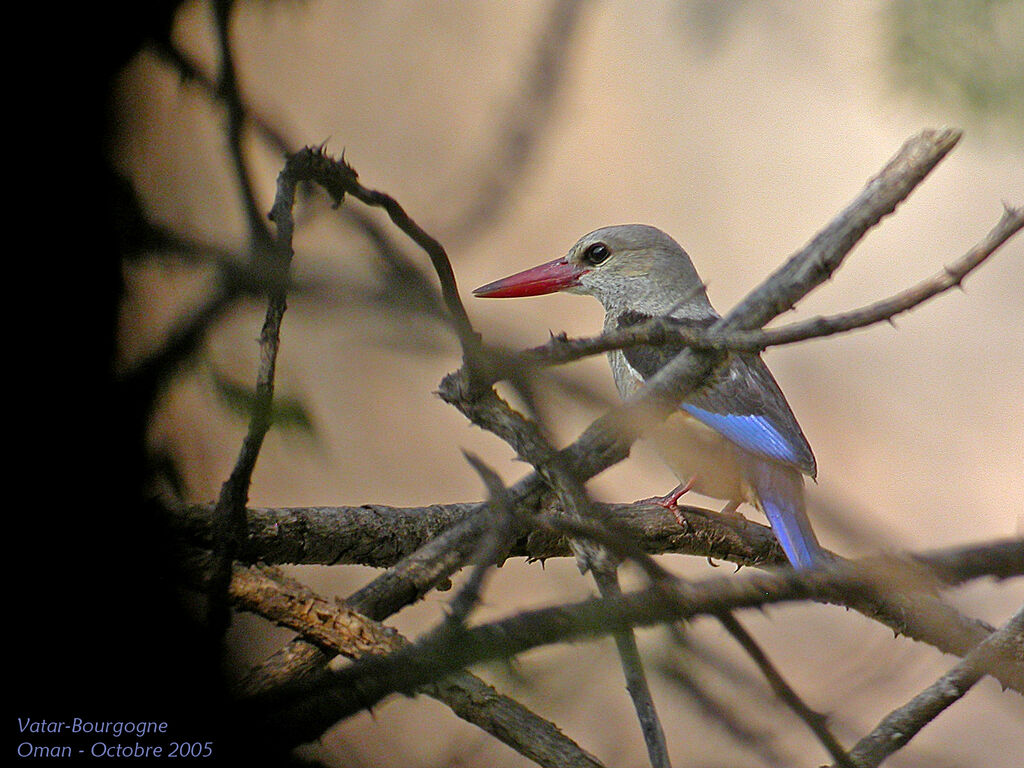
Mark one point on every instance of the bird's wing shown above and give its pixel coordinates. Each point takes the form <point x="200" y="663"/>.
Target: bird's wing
<point x="742" y="400"/>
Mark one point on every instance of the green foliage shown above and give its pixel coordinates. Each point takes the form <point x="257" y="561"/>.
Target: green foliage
<point x="285" y="412"/>
<point x="964" y="54"/>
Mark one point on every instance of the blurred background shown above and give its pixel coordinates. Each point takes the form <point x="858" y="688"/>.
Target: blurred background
<point x="509" y="130"/>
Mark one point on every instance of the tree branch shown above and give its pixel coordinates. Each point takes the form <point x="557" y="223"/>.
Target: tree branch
<point x="341" y="630"/>
<point x="367" y="681"/>
<point x="230" y="524"/>
<point x="816" y="721"/>
<point x="561" y="349"/>
<point x="404" y="540"/>
<point x="379" y="536"/>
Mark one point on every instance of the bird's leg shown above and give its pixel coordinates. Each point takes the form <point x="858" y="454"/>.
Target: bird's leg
<point x="730" y="510"/>
<point x="671" y="500"/>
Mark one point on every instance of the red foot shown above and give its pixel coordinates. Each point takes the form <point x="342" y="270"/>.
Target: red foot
<point x="671" y="501"/>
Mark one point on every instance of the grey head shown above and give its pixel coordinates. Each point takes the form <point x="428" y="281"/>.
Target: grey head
<point x="639" y="268"/>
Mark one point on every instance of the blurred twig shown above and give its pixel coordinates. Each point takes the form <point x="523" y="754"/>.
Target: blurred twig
<point x="723" y="714"/>
<point x="227" y="89"/>
<point x="1002" y="653"/>
<point x="817" y="722"/>
<point x="191" y="70"/>
<point x="524" y="120"/>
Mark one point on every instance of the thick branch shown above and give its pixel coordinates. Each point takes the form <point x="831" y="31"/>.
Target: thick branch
<point x="369" y="680"/>
<point x="380" y="536"/>
<point x="338" y="629"/>
<point x="327" y="535"/>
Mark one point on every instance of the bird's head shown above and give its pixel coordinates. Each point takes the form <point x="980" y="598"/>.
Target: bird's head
<point x="630" y="266"/>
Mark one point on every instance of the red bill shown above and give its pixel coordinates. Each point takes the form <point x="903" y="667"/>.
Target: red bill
<point x="554" y="276"/>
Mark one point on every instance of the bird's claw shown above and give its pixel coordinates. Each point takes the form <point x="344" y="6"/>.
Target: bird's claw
<point x="670" y="501"/>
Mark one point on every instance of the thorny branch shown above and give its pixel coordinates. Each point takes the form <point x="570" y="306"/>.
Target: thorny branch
<point x="338" y="628"/>
<point x="608" y="439"/>
<point x="560" y="349"/>
<point x="441" y="537"/>
<point x="365" y="682"/>
<point x="379" y="536"/>
<point x="338" y="178"/>
<point x="276" y="255"/>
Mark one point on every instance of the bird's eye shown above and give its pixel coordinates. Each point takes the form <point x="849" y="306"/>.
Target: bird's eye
<point x="596" y="253"/>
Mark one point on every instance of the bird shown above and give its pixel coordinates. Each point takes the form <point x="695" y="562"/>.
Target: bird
<point x="735" y="438"/>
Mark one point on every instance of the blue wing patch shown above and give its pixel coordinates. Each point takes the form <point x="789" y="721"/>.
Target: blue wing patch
<point x="751" y="432"/>
<point x="742" y="401"/>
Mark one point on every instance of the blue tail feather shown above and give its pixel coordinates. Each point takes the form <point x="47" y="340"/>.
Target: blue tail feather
<point x="780" y="491"/>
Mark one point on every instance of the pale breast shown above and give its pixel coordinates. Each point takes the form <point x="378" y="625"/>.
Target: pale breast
<point x="688" y="447"/>
<point x="692" y="450"/>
